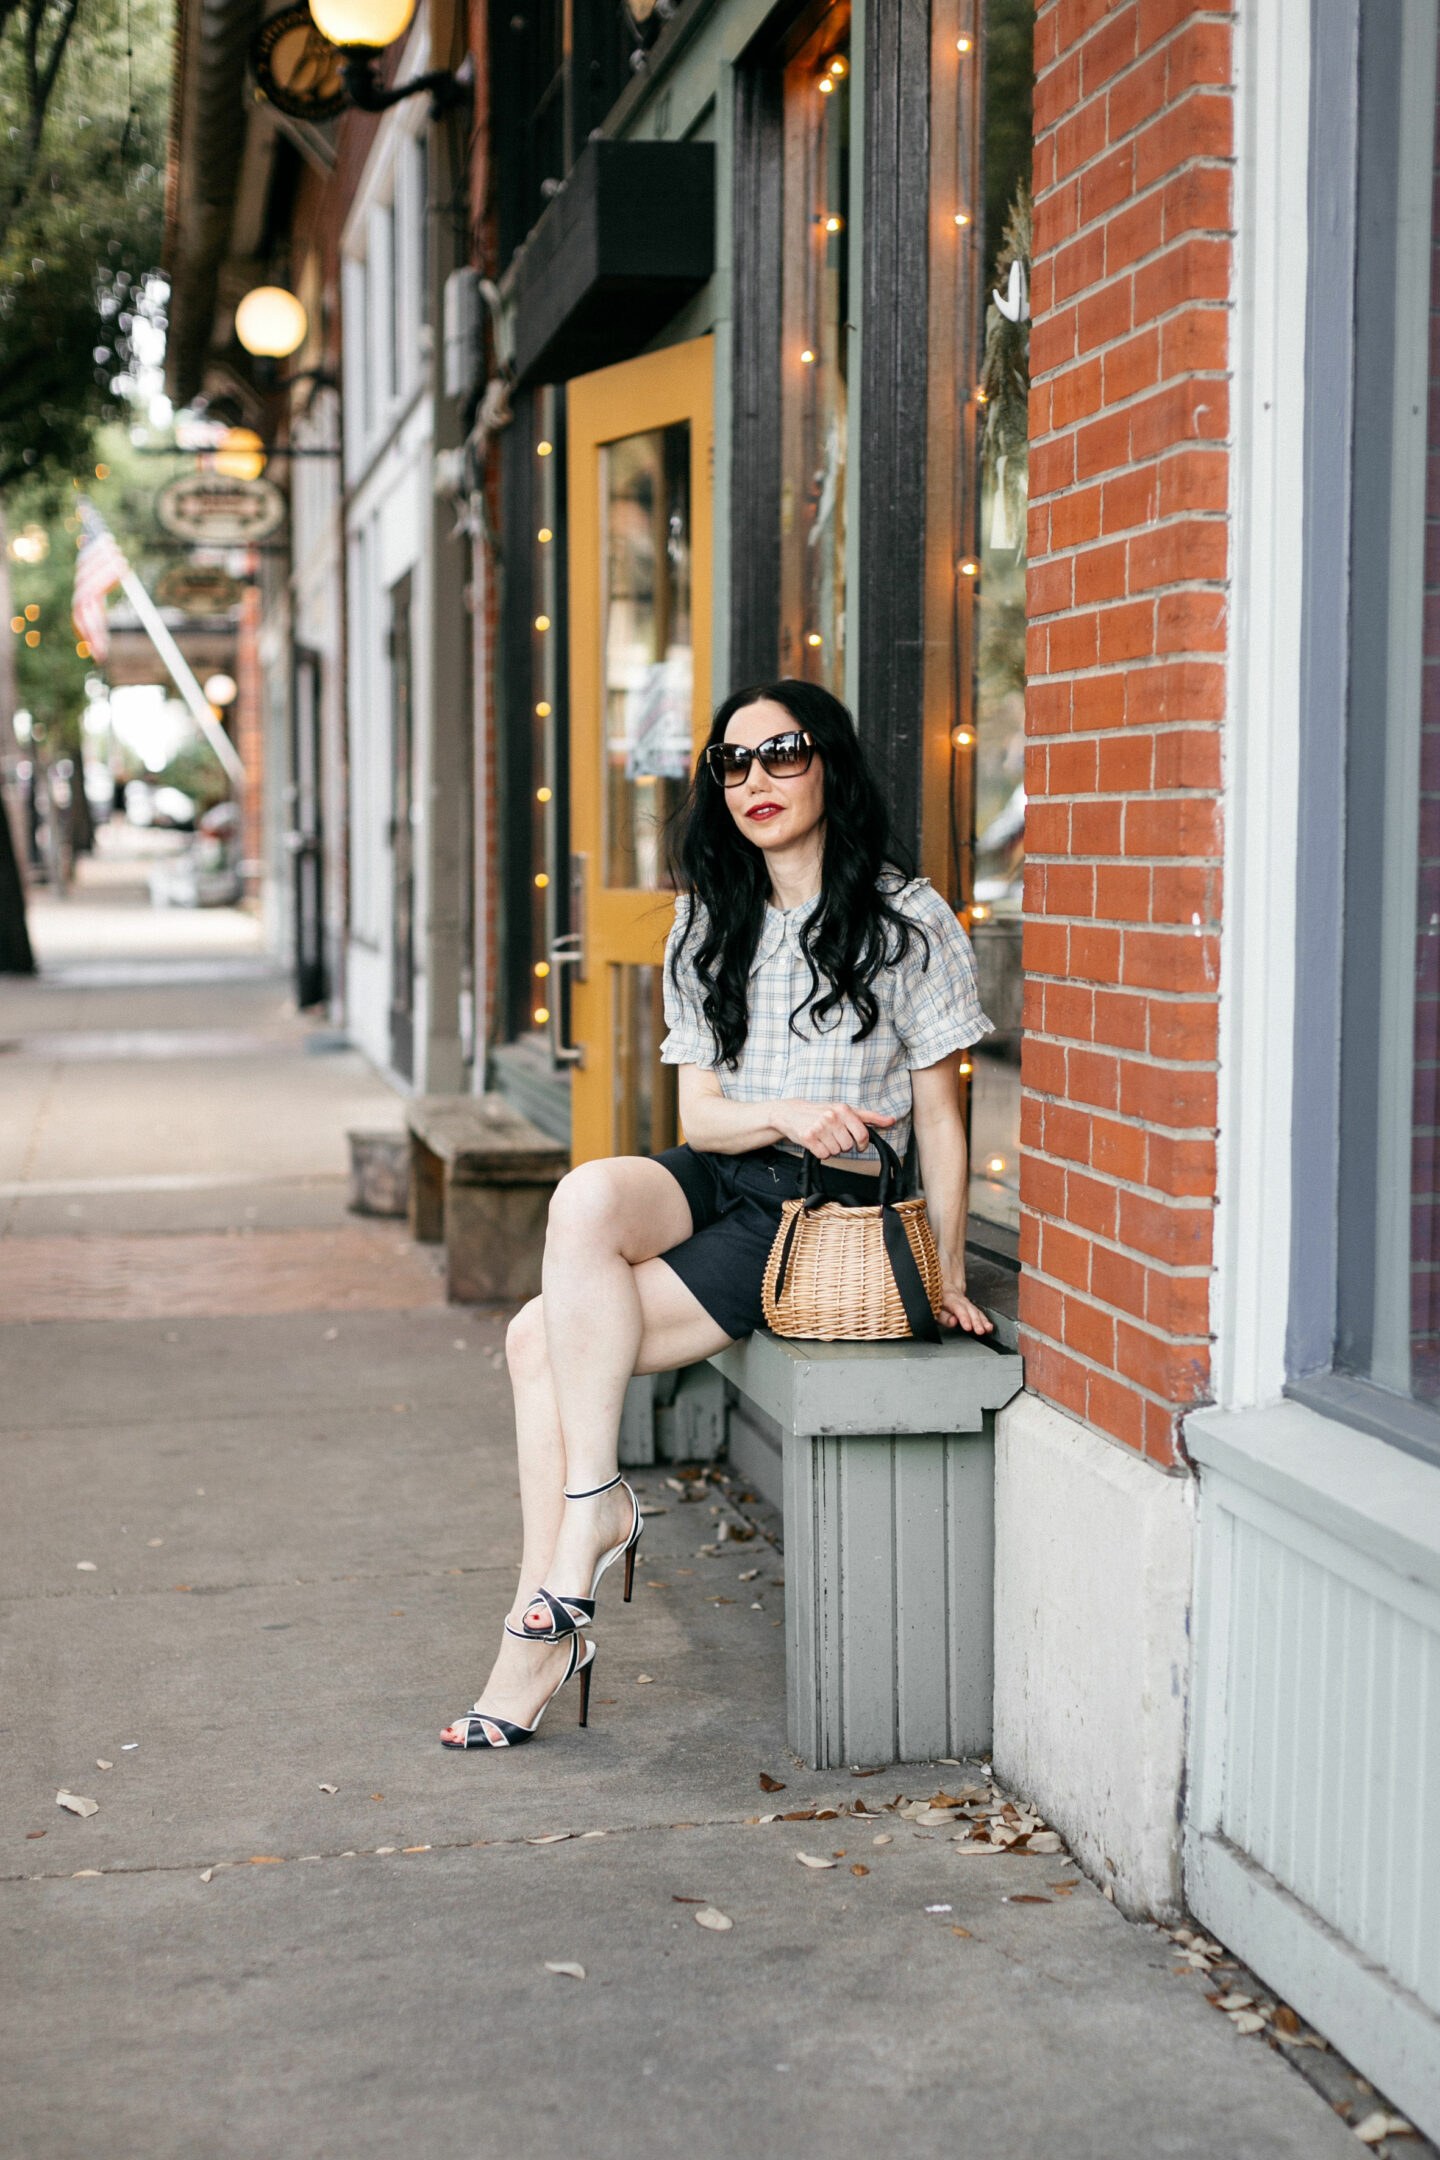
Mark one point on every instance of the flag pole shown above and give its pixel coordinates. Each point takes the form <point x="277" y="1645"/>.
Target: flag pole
<point x="182" y="675"/>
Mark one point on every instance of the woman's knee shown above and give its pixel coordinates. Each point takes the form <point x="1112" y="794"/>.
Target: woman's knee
<point x="526" y="1351"/>
<point x="588" y="1201"/>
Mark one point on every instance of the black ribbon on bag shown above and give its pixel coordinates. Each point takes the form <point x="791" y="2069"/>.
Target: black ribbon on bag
<point x="903" y="1265"/>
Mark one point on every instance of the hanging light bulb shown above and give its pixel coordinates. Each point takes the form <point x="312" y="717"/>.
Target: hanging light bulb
<point x="962" y="738"/>
<point x="839" y="67"/>
<point x="962" y="217"/>
<point x="826" y="86"/>
<point x="807" y="358"/>
<point x="969" y="569"/>
<point x="963" y="44"/>
<point x="271" y="323"/>
<point x="542" y="710"/>
<point x="814" y="638"/>
<point x="543" y="449"/>
<point x="542" y="622"/>
<point x="371" y="23"/>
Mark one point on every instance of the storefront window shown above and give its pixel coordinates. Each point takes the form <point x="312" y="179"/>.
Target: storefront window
<point x="1389" y="1302"/>
<point x="814" y="355"/>
<point x="982" y="78"/>
<point x="648" y="661"/>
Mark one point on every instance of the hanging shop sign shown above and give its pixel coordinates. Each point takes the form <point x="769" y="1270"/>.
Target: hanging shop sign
<point x="298" y="70"/>
<point x="198" y="588"/>
<point x="210" y="510"/>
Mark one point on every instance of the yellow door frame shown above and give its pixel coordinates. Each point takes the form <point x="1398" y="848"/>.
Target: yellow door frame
<point x="621" y="926"/>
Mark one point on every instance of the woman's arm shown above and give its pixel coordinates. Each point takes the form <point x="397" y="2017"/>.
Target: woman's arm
<point x="945" y="1169"/>
<point x="713" y="1125"/>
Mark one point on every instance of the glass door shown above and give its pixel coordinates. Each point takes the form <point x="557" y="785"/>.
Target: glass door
<point x="640" y="457"/>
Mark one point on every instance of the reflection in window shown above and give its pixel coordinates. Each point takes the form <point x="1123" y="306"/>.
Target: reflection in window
<point x="648" y="659"/>
<point x="645" y="1111"/>
<point x="814" y="397"/>
<point x="999" y="747"/>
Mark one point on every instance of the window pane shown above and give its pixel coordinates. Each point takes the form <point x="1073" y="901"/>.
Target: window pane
<point x="1389" y="1308"/>
<point x="814" y="356"/>
<point x="645" y="1090"/>
<point x="649" y="662"/>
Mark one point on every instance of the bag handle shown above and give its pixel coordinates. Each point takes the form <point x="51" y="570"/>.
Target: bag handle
<point x="924" y="1327"/>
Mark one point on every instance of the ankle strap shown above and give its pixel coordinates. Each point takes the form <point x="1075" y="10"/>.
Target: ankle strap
<point x="596" y="1490"/>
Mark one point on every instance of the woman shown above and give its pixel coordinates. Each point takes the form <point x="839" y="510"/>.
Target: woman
<point x="813" y="993"/>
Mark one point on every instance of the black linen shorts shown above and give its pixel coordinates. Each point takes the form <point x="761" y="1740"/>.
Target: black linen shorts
<point x="735" y="1203"/>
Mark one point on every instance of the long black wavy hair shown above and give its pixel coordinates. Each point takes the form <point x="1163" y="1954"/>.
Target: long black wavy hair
<point x="852" y="932"/>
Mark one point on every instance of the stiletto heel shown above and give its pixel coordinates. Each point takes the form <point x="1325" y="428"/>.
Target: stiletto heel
<point x="568" y="1615"/>
<point x="483" y="1729"/>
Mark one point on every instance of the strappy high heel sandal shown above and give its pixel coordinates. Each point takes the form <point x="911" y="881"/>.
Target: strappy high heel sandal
<point x="569" y="1614"/>
<point x="481" y="1728"/>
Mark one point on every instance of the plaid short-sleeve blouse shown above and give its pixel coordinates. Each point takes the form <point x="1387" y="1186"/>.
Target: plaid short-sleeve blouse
<point x="928" y="1004"/>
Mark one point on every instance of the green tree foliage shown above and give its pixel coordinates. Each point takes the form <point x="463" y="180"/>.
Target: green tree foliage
<point x="83" y="86"/>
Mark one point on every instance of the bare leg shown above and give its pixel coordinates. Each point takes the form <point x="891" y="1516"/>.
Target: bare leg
<point x="670" y="1328"/>
<point x="604" y="1293"/>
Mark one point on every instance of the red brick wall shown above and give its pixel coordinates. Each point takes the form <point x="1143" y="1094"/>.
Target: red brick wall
<point x="1129" y="420"/>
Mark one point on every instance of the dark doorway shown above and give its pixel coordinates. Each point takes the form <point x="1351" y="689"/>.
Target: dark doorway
<point x="402" y="835"/>
<point x="306" y="839"/>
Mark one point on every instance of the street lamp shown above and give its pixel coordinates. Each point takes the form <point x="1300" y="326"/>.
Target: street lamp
<point x="271" y="323"/>
<point x="362" y="29"/>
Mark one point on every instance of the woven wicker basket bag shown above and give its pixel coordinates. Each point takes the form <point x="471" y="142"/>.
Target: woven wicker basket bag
<point x="843" y="1273"/>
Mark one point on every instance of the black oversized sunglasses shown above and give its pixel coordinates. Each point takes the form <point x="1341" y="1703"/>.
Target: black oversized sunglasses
<point x="784" y="757"/>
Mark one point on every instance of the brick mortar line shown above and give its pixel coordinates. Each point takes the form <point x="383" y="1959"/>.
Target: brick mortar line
<point x="1147" y="596"/>
<point x="1121" y="537"/>
<point x="1194" y="161"/>
<point x="1103" y="670"/>
<point x="1188" y="1201"/>
<point x="1071" y="428"/>
<point x="1148" y="1060"/>
<point x="1151" y="1328"/>
<point x="1179" y="997"/>
<point x="1164" y="521"/>
<point x="1116" y="1372"/>
<point x="1199" y="1272"/>
<point x="1224" y="18"/>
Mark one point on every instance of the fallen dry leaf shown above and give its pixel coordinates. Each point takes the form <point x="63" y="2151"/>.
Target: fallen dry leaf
<point x="1063" y="1889"/>
<point x="1380" y="2125"/>
<point x="1284" y="2020"/>
<point x="709" y="1916"/>
<point x="327" y="1788"/>
<point x="644" y="1679"/>
<point x="207" y="1875"/>
<point x="86" y="1567"/>
<point x="267" y="1859"/>
<point x="87" y="1873"/>
<point x="565" y="1968"/>
<point x="1234" y="2001"/>
<point x="414" y="1848"/>
<point x="550" y="1837"/>
<point x="34" y="1833"/>
<point x="101" y="1764"/>
<point x="1026" y="1897"/>
<point x="975" y="1847"/>
<point x="961" y="1931"/>
<point x="886" y="1840"/>
<point x="857" y="1869"/>
<point x="73" y="1803"/>
<point x="748" y="1575"/>
<point x="1247" y="2021"/>
<point x="771" y="1784"/>
<point x="809" y="1860"/>
<point x="1046" y="1841"/>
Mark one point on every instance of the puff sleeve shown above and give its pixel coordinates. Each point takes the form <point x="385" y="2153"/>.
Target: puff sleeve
<point x="937" y="1003"/>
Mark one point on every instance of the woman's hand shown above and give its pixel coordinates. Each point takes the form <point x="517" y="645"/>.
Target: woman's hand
<point x="957" y="1310"/>
<point x="827" y="1129"/>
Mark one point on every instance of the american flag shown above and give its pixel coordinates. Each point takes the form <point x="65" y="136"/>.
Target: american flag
<point x="99" y="568"/>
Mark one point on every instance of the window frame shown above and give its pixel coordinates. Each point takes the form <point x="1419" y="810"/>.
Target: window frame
<point x="1357" y="62"/>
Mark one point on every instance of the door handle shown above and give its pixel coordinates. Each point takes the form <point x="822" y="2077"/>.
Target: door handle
<point x="566" y="952"/>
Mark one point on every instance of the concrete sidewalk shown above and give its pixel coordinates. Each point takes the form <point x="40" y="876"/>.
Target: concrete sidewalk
<point x="250" y="1554"/>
